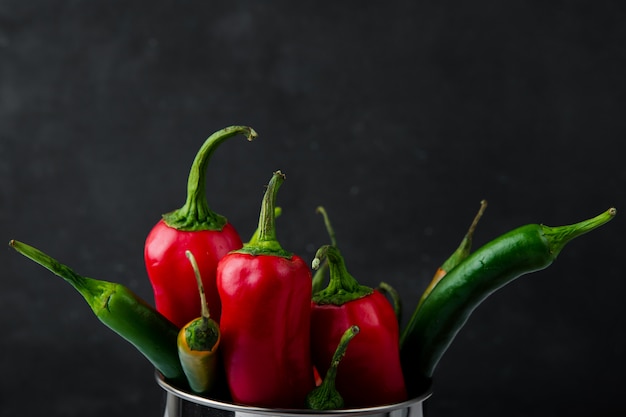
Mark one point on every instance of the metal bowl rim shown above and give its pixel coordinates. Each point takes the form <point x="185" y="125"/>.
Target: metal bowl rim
<point x="208" y="402"/>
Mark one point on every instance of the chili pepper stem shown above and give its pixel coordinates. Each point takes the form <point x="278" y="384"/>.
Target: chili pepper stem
<point x="196" y="270"/>
<point x="267" y="217"/>
<point x="320" y="274"/>
<point x="558" y="237"/>
<point x="342" y="286"/>
<point x="195" y="214"/>
<point x="329" y="227"/>
<point x="254" y="238"/>
<point x="326" y="396"/>
<point x="266" y="241"/>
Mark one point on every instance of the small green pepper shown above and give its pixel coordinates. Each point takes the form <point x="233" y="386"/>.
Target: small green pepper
<point x="441" y="315"/>
<point x="122" y="311"/>
<point x="198" y="343"/>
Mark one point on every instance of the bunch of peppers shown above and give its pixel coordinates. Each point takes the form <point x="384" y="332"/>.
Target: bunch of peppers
<point x="250" y="324"/>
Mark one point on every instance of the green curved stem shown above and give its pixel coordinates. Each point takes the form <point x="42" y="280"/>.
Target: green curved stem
<point x="202" y="334"/>
<point x="195" y="214"/>
<point x="342" y="286"/>
<point x="559" y="236"/>
<point x="265" y="241"/>
<point x="326" y="396"/>
<point x="320" y="274"/>
<point x="254" y="238"/>
<point x="329" y="227"/>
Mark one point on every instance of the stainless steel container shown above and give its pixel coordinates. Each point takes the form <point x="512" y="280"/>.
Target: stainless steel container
<point x="180" y="403"/>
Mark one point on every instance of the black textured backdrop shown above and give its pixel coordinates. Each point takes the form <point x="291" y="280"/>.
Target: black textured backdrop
<point x="397" y="117"/>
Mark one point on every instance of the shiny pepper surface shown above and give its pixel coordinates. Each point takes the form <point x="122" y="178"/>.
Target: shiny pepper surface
<point x="173" y="294"/>
<point x="193" y="227"/>
<point x="265" y="323"/>
<point x="370" y="374"/>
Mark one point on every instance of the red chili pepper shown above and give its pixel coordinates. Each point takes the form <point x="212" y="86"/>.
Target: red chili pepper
<point x="265" y="324"/>
<point x="194" y="227"/>
<point x="370" y="374"/>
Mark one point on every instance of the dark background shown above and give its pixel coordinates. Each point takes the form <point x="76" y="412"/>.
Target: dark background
<point x="398" y="118"/>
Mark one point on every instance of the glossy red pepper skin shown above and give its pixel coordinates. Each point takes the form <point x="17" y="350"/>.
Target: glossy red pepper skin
<point x="167" y="249"/>
<point x="194" y="227"/>
<point x="370" y="374"/>
<point x="265" y="323"/>
<point x="265" y="329"/>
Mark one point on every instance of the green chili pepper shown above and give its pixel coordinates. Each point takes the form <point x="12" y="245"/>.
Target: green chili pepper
<point x="122" y="311"/>
<point x="326" y="396"/>
<point x="462" y="252"/>
<point x="198" y="343"/>
<point x="436" y="322"/>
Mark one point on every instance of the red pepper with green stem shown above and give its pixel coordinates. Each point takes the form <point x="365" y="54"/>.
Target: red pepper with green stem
<point x="321" y="272"/>
<point x="370" y="374"/>
<point x="194" y="227"/>
<point x="265" y="323"/>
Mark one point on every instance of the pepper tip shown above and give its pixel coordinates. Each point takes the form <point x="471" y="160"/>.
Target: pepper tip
<point x="316" y="263"/>
<point x="251" y="135"/>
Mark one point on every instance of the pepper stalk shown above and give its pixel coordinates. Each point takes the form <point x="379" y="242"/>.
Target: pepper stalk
<point x="326" y="396"/>
<point x="264" y="241"/>
<point x="322" y="270"/>
<point x="196" y="214"/>
<point x="342" y="287"/>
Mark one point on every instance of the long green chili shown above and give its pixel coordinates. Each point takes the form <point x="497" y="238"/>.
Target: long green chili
<point x="437" y="320"/>
<point x="122" y="311"/>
